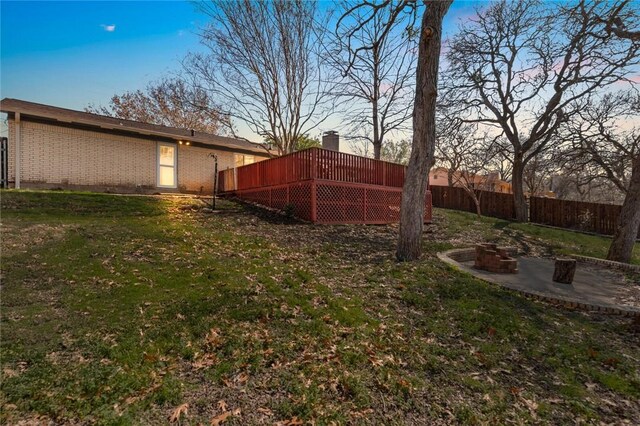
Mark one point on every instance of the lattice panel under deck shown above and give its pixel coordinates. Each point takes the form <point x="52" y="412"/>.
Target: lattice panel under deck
<point x="300" y="196"/>
<point x="339" y="204"/>
<point x="383" y="206"/>
<point x="279" y="197"/>
<point x="334" y="202"/>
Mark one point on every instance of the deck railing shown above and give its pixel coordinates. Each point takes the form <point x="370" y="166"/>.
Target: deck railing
<point x="313" y="163"/>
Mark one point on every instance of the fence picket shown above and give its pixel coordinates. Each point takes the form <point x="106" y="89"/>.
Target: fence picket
<point x="493" y="204"/>
<point x="591" y="217"/>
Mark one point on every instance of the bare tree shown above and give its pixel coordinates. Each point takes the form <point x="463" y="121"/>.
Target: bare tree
<point x="501" y="154"/>
<point x="536" y="176"/>
<point x="455" y="142"/>
<point x="376" y="67"/>
<point x="519" y="67"/>
<point x="169" y="102"/>
<point x="585" y="184"/>
<point x="615" y="20"/>
<point x="264" y="64"/>
<point x="475" y="180"/>
<point x="467" y="156"/>
<point x="606" y="134"/>
<point x="424" y="107"/>
<point x="359" y="145"/>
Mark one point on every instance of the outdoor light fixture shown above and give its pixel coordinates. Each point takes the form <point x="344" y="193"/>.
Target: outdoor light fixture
<point x="188" y="143"/>
<point x="180" y="142"/>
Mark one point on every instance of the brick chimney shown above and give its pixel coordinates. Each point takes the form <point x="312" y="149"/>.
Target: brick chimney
<point x="331" y="140"/>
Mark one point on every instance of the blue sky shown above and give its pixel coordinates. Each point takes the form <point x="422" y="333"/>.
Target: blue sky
<point x="75" y="53"/>
<point x="62" y="53"/>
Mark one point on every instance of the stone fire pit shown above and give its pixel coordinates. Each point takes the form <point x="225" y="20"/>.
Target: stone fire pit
<point x="490" y="257"/>
<point x="597" y="285"/>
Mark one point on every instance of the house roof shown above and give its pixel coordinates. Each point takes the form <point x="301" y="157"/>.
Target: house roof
<point x="82" y="119"/>
<point x="475" y="177"/>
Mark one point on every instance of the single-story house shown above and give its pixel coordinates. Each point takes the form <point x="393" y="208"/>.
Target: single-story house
<point x="51" y="147"/>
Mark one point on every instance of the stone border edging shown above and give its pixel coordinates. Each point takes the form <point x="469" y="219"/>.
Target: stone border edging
<point x="554" y="300"/>
<point x="604" y="262"/>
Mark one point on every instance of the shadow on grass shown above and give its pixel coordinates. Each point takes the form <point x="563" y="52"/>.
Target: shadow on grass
<point x="270" y="216"/>
<point x="501" y="224"/>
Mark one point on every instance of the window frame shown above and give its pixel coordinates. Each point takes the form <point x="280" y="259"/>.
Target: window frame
<point x="245" y="158"/>
<point x="159" y="166"/>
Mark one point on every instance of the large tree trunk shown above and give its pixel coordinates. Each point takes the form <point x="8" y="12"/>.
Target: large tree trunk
<point x="628" y="221"/>
<point x="517" y="186"/>
<point x="424" y="132"/>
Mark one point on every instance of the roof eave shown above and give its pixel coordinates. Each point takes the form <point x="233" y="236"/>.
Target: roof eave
<point x="91" y="123"/>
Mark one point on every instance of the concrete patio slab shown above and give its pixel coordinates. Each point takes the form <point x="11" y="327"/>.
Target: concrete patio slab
<point x="594" y="286"/>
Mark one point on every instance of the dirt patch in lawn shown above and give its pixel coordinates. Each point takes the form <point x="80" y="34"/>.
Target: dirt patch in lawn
<point x="18" y="238"/>
<point x="375" y="243"/>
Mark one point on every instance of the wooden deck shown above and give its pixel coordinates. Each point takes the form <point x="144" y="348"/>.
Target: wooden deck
<point x="323" y="186"/>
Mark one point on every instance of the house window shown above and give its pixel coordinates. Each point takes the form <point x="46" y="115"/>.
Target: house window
<point x="243" y="160"/>
<point x="167" y="175"/>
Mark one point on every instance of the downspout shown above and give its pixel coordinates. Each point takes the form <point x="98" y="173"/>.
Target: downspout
<point x="18" y="137"/>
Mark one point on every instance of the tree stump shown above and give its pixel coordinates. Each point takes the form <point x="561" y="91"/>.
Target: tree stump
<point x="564" y="270"/>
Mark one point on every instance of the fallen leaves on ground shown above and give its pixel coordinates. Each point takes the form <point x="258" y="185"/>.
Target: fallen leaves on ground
<point x="221" y="418"/>
<point x="295" y="421"/>
<point x="178" y="412"/>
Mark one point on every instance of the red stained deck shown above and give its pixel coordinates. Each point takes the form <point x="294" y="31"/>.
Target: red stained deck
<point x="323" y="186"/>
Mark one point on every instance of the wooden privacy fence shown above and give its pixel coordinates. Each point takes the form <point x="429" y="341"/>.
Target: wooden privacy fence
<point x="591" y="217"/>
<point x="494" y="204"/>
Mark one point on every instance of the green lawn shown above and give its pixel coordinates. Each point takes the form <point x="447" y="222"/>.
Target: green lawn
<point x="119" y="310"/>
<point x="528" y="237"/>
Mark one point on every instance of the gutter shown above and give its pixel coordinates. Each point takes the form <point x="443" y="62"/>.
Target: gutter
<point x="122" y="128"/>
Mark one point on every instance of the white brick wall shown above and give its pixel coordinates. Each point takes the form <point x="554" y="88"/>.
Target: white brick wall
<point x="63" y="156"/>
<point x="195" y="167"/>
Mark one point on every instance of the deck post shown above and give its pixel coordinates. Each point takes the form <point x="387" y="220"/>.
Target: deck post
<point x="314" y="203"/>
<point x="235" y="179"/>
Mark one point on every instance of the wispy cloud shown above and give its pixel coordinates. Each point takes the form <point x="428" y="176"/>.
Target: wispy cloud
<point x="109" y="28"/>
